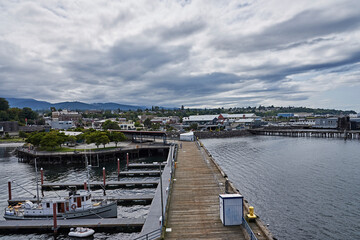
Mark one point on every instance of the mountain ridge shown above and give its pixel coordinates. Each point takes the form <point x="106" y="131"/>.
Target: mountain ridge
<point x="70" y="105"/>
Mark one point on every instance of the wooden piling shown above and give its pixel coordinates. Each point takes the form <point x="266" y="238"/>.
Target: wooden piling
<point x="9" y="189"/>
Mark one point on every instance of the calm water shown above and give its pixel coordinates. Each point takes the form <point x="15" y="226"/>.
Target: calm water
<point x="25" y="186"/>
<point x="305" y="188"/>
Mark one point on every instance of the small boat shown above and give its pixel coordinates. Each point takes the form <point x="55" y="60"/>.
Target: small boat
<point x="77" y="205"/>
<point x="81" y="232"/>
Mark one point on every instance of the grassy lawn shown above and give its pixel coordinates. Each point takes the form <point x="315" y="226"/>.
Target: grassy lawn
<point x="63" y="149"/>
<point x="11" y="140"/>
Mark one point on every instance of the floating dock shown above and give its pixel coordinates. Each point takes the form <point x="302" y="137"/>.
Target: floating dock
<point x="145" y="165"/>
<point x="47" y="225"/>
<point x="123" y="199"/>
<point x="139" y="173"/>
<point x="99" y="185"/>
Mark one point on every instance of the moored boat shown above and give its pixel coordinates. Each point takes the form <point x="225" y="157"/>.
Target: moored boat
<point x="81" y="232"/>
<point x="77" y="205"/>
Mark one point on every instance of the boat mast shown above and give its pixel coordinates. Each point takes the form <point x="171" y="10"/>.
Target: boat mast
<point x="37" y="183"/>
<point x="87" y="171"/>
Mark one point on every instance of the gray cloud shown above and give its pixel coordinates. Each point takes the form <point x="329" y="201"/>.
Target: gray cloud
<point x="171" y="54"/>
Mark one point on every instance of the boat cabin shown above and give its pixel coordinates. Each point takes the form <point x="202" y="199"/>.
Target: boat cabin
<point x="79" y="200"/>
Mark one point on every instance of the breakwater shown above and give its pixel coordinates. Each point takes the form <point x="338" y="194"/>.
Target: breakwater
<point x="222" y="134"/>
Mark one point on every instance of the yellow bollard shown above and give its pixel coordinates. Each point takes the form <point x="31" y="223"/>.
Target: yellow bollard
<point x="175" y="164"/>
<point x="251" y="215"/>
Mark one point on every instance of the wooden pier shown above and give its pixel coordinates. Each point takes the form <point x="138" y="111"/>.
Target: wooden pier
<point x="99" y="185"/>
<point x="194" y="205"/>
<point x="317" y="133"/>
<point x="47" y="225"/>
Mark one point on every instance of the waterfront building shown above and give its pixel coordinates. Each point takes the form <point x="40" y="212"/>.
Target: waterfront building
<point x="8" y="127"/>
<point x="326" y="123"/>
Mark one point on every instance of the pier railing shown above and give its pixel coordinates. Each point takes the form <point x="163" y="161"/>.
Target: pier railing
<point x="248" y="230"/>
<point x="151" y="235"/>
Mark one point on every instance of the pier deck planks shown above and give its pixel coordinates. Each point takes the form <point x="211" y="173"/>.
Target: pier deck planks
<point x="194" y="205"/>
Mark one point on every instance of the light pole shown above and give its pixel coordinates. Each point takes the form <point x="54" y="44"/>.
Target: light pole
<point x="162" y="203"/>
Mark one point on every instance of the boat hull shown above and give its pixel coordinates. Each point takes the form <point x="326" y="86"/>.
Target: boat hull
<point x="104" y="211"/>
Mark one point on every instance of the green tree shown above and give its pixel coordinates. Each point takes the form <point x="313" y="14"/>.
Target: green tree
<point x="4" y="116"/>
<point x="147" y="123"/>
<point x="50" y="140"/>
<point x="108" y="124"/>
<point x="137" y="124"/>
<point x="71" y="139"/>
<point x="194" y="126"/>
<point x="117" y="137"/>
<point x="35" y="138"/>
<point x="104" y="139"/>
<point x="4" y="105"/>
<point x="23" y="134"/>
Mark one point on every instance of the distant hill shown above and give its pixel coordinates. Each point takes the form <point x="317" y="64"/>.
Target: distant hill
<point x="43" y="105"/>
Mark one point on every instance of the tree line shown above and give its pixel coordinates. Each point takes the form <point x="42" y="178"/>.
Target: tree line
<point x="55" y="139"/>
<point x="17" y="114"/>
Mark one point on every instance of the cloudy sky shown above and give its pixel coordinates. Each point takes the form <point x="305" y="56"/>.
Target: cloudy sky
<point x="207" y="53"/>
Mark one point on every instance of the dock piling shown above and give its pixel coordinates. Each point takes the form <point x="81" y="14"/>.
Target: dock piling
<point x="9" y="189"/>
<point x="127" y="160"/>
<point x="54" y="217"/>
<point x="85" y="185"/>
<point x="42" y="175"/>
<point x="118" y="168"/>
<point x="104" y="179"/>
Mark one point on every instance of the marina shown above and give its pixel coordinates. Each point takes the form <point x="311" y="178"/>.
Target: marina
<point x="196" y="173"/>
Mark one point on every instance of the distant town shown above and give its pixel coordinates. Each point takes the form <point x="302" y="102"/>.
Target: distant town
<point x="16" y="121"/>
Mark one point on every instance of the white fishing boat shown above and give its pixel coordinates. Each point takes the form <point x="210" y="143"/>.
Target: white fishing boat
<point x="81" y="232"/>
<point x="77" y="205"/>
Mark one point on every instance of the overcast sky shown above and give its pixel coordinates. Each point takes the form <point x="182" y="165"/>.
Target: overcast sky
<point x="182" y="52"/>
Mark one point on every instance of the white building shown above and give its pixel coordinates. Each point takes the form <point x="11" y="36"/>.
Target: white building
<point x="189" y="136"/>
<point x="64" y="125"/>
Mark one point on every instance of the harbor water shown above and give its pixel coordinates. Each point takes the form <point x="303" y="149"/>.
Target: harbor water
<point x="24" y="185"/>
<point x="304" y="188"/>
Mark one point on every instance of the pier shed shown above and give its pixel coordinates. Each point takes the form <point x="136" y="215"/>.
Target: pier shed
<point x="189" y="136"/>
